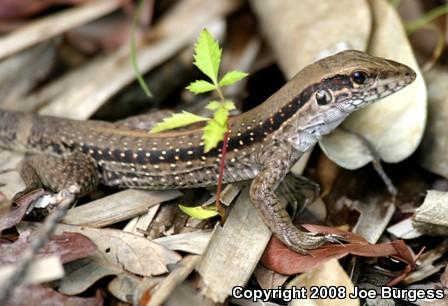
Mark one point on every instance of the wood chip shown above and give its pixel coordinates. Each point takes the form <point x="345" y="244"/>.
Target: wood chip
<point x="139" y="225"/>
<point x="404" y="229"/>
<point x="117" y="207"/>
<point x="192" y="242"/>
<point x="243" y="235"/>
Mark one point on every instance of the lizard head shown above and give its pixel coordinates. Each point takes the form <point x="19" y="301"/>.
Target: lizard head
<point x="350" y="80"/>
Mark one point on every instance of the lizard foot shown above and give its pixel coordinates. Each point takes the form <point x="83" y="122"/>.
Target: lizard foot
<point x="302" y="242"/>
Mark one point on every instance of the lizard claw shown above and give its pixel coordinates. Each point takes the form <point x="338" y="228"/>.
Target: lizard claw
<point x="302" y="242"/>
<point x="336" y="238"/>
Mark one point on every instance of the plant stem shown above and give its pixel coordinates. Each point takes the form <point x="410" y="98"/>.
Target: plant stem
<point x="221" y="96"/>
<point x="137" y="72"/>
<point x="413" y="26"/>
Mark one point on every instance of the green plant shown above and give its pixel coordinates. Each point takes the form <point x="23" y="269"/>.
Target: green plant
<point x="135" y="67"/>
<point x="208" y="58"/>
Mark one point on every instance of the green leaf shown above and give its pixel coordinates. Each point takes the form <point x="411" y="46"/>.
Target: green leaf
<point x="213" y="134"/>
<point x="177" y="121"/>
<point x="199" y="212"/>
<point x="207" y="55"/>
<point x="229" y="105"/>
<point x="221" y="115"/>
<point x="231" y="77"/>
<point x="213" y="105"/>
<point x="200" y="86"/>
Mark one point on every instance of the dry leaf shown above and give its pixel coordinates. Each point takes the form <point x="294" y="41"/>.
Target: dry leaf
<point x="435" y="141"/>
<point x="10" y="9"/>
<point x="23" y="295"/>
<point x="123" y="286"/>
<point x="10" y="216"/>
<point x="376" y="211"/>
<point x="22" y="72"/>
<point x="83" y="273"/>
<point x="329" y="274"/>
<point x="279" y="258"/>
<point x="431" y="217"/>
<point x="68" y="246"/>
<point x="136" y="254"/>
<point x="298" y="31"/>
<point x="395" y="125"/>
<point x="40" y="270"/>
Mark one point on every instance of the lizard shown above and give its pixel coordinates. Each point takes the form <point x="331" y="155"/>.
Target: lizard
<point x="263" y="144"/>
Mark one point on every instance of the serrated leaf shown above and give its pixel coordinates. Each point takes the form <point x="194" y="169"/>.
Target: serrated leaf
<point x="199" y="212"/>
<point x="221" y="115"/>
<point x="213" y="134"/>
<point x="177" y="121"/>
<point x="200" y="86"/>
<point x="231" y="77"/>
<point x="229" y="105"/>
<point x="207" y="55"/>
<point x="213" y="105"/>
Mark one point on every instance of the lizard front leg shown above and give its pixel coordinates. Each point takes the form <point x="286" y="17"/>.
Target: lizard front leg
<point x="274" y="215"/>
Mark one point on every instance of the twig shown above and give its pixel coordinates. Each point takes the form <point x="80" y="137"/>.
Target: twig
<point x="376" y="162"/>
<point x="63" y="200"/>
<point x="52" y="25"/>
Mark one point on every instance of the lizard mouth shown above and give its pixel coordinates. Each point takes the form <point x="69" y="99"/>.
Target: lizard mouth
<point x="384" y="86"/>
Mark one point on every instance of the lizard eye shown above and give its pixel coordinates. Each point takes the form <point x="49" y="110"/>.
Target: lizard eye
<point x="323" y="97"/>
<point x="359" y="77"/>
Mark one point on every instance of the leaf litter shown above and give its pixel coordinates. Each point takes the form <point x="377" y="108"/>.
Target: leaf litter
<point x="148" y="259"/>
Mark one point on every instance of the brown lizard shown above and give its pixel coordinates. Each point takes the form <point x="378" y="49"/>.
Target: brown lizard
<point x="263" y="145"/>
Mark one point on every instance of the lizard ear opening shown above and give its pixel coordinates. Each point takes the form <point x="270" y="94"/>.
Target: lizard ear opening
<point x="323" y="97"/>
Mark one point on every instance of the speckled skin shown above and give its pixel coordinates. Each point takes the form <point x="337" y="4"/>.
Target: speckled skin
<point x="264" y="142"/>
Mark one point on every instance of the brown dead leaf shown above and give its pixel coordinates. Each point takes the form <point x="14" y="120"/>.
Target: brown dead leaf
<point x="68" y="246"/>
<point x="10" y="216"/>
<point x="136" y="254"/>
<point x="279" y="258"/>
<point x="12" y="9"/>
<point x="27" y="295"/>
